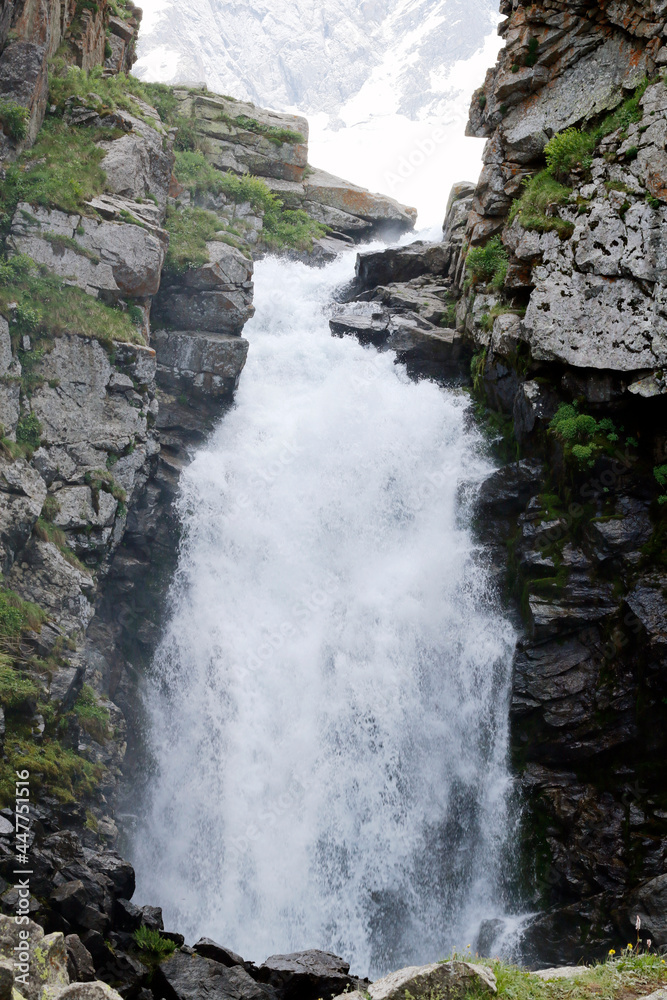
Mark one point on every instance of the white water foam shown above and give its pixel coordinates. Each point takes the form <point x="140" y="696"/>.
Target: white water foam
<point x="328" y="712"/>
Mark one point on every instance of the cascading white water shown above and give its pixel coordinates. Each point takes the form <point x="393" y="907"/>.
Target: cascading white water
<point x="328" y="712"/>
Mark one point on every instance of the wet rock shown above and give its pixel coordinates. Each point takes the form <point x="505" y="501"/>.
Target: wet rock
<point x="508" y="490"/>
<point x="64" y="591"/>
<point x="188" y="977"/>
<point x="210" y="949"/>
<point x="79" y="960"/>
<point x="448" y="979"/>
<point x="306" y="975"/>
<point x="649" y="902"/>
<point x="399" y="264"/>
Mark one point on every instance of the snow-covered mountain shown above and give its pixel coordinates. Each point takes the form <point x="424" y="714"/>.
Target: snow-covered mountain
<point x="376" y="77"/>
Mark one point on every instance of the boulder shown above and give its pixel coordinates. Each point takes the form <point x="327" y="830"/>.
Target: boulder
<point x="47" y="957"/>
<point x="82" y="991"/>
<point x="209" y="364"/>
<point x="211" y="949"/>
<point x="649" y="903"/>
<point x="115" y="258"/>
<point x="399" y="264"/>
<point x="442" y="979"/>
<point x="137" y="164"/>
<point x="79" y="960"/>
<point x="306" y="975"/>
<point x="378" y="211"/>
<point x="62" y="590"/>
<point x="189" y="977"/>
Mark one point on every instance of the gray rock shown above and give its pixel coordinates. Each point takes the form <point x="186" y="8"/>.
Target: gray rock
<point x="47" y="957"/>
<point x="137" y="165"/>
<point x="447" y="979"/>
<point x="82" y="991"/>
<point x="44" y="576"/>
<point x="306" y="974"/>
<point x="22" y="496"/>
<point x="189" y="977"/>
<point x="210" y="949"/>
<point x="209" y="363"/>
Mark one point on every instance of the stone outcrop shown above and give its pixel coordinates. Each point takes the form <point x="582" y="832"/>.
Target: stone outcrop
<point x="446" y="979"/>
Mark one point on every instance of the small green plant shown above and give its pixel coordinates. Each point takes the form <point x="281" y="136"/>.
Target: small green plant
<point x="14" y="119"/>
<point x="51" y="508"/>
<point x="652" y="201"/>
<point x="477" y="366"/>
<point x="18" y="616"/>
<point x="660" y="473"/>
<point x="631" y="153"/>
<point x="583" y="437"/>
<point x="566" y="150"/>
<point x="482" y="101"/>
<point x="536" y="208"/>
<point x="29" y="431"/>
<point x="275" y="135"/>
<point x="488" y="263"/>
<point x="531" y="55"/>
<point x="48" y="532"/>
<point x="101" y="480"/>
<point x="92" y="716"/>
<point x="153" y="942"/>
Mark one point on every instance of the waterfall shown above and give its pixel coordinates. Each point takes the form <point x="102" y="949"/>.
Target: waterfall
<point x="328" y="709"/>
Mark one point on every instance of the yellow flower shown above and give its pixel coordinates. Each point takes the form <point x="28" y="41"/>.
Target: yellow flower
<point x="629" y="947"/>
<point x="612" y="951"/>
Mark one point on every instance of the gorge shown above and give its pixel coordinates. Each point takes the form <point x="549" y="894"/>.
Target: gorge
<point x="333" y="557"/>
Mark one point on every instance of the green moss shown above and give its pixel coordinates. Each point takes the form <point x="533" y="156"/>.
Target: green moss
<point x="58" y="308"/>
<point x="102" y="480"/>
<point x="18" y="616"/>
<point x="660" y="473"/>
<point x="17" y="690"/>
<point x="116" y="91"/>
<point x="290" y="229"/>
<point x="531" y="56"/>
<point x="92" y="716"/>
<point x="628" y="113"/>
<point x="488" y="263"/>
<point x="190" y="229"/>
<point x="54" y="769"/>
<point x="568" y="149"/>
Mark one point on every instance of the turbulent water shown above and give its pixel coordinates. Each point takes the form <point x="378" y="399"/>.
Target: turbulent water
<point x="328" y="714"/>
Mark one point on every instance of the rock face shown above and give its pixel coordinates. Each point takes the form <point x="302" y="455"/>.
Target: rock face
<point x="574" y="318"/>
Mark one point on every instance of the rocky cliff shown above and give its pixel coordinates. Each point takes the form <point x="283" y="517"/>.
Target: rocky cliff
<point x="552" y="273"/>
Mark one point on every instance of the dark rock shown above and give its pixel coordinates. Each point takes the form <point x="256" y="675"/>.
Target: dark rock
<point x="648" y="603"/>
<point x="649" y="902"/>
<point x="569" y="934"/>
<point x="70" y="899"/>
<point x="151" y="917"/>
<point x="210" y="949"/>
<point x="189" y="977"/>
<point x="307" y="975"/>
<point x="119" y="872"/>
<point x="399" y="264"/>
<point x="508" y="490"/>
<point x="79" y="960"/>
<point x="23" y="79"/>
